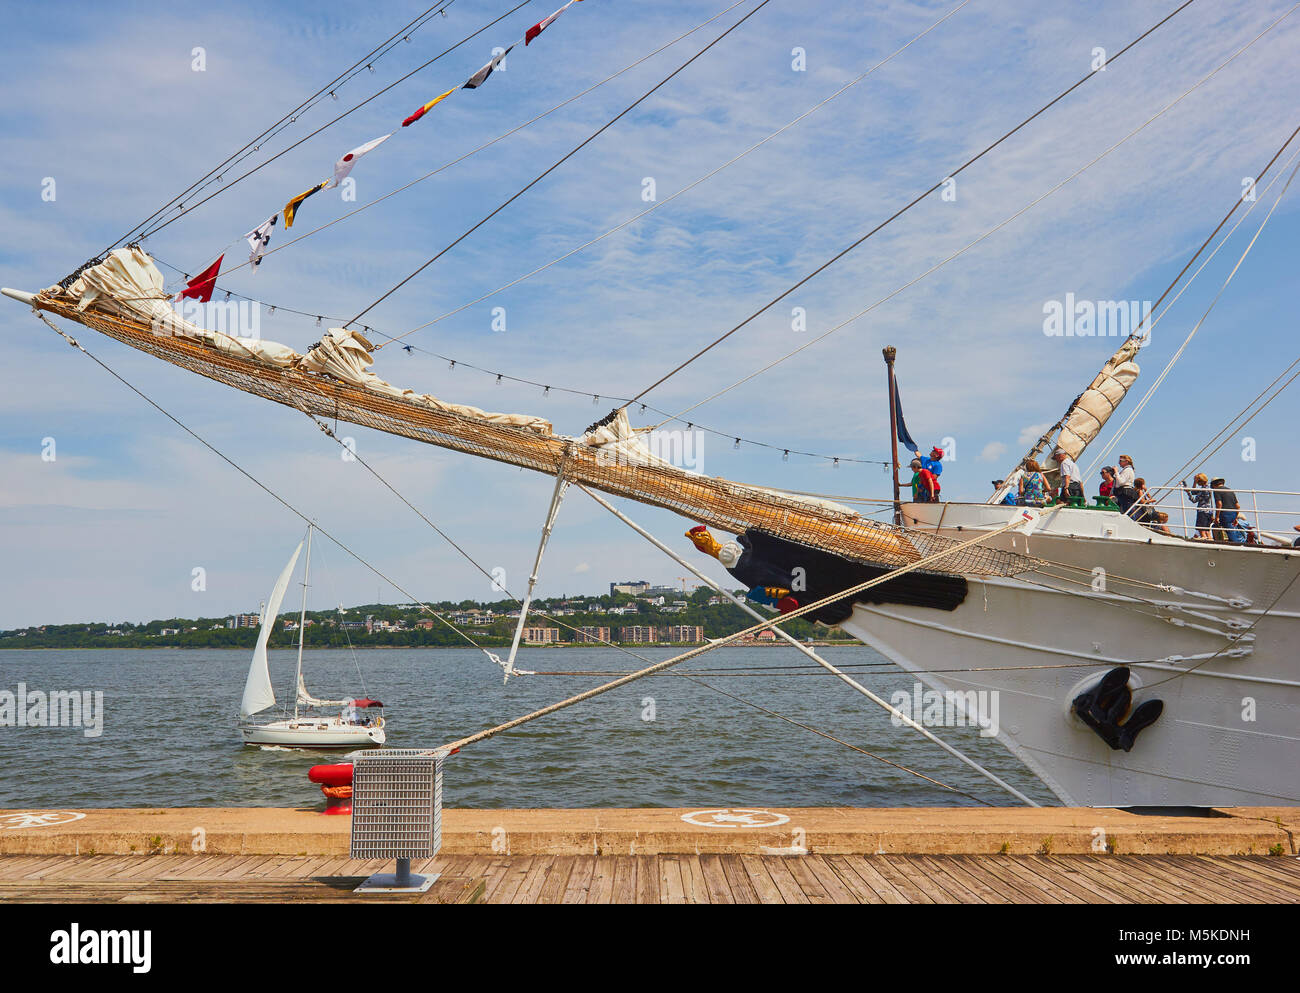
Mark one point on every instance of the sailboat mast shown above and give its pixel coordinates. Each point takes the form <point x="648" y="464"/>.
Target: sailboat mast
<point x="302" y="618"/>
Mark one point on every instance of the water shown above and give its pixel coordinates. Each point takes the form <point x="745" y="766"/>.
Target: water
<point x="170" y="740"/>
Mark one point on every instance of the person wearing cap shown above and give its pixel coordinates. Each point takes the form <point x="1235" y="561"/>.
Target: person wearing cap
<point x="925" y="488"/>
<point x="1010" y="496"/>
<point x="933" y="461"/>
<point x="1200" y="495"/>
<point x="1125" y="493"/>
<point x="1071" y="479"/>
<point x="1227" y="511"/>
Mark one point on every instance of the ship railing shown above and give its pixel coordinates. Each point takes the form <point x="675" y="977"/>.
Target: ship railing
<point x="1273" y="514"/>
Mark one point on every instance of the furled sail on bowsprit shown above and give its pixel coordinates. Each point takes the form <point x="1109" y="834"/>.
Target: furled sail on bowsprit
<point x="123" y="298"/>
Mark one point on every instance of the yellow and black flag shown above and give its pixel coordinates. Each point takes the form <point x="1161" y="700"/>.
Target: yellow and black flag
<point x="292" y="206"/>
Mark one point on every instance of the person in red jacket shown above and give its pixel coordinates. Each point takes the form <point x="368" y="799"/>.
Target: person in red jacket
<point x="925" y="488"/>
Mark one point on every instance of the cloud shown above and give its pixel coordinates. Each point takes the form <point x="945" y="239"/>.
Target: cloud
<point x="1030" y="434"/>
<point x="582" y="567"/>
<point x="972" y="357"/>
<point x="991" y="452"/>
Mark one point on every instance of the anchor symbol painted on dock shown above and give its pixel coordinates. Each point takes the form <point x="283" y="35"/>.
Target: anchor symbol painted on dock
<point x="731" y="817"/>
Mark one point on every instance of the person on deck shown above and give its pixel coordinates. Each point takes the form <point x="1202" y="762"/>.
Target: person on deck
<point x="1226" y="511"/>
<point x="925" y="488"/>
<point x="1200" y="495"/>
<point x="1010" y="496"/>
<point x="1107" y="488"/>
<point x="1125" y="492"/>
<point x="934" y="463"/>
<point x="1145" y="512"/>
<point x="1071" y="479"/>
<point x="1033" y="485"/>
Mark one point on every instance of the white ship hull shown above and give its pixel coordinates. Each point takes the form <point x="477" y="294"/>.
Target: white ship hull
<point x="312" y="732"/>
<point x="1229" y="731"/>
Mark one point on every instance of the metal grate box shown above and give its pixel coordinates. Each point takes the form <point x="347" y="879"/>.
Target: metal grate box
<point x="396" y="804"/>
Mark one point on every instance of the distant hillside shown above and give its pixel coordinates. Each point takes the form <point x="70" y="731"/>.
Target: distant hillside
<point x="407" y="625"/>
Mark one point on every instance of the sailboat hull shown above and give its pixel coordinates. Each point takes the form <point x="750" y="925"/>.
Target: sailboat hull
<point x="1219" y="651"/>
<point x="312" y="732"/>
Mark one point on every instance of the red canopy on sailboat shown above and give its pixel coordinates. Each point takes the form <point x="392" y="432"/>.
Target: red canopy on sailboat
<point x="366" y="702"/>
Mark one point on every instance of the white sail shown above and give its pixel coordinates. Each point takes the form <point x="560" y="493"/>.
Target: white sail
<point x="258" y="694"/>
<point x="305" y="699"/>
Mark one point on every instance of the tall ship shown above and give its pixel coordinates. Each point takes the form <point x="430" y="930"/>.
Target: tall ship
<point x="1135" y="664"/>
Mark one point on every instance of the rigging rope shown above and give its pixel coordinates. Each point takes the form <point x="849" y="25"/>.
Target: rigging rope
<point x="1178" y="353"/>
<point x="993" y="230"/>
<point x="253" y="479"/>
<point x="763" y="626"/>
<point x="155" y="229"/>
<point x="564" y="158"/>
<point x="475" y="151"/>
<point x="902" y="210"/>
<point x="685" y="189"/>
<point x="331" y="87"/>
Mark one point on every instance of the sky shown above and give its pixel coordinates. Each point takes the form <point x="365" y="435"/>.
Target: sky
<point x="107" y="118"/>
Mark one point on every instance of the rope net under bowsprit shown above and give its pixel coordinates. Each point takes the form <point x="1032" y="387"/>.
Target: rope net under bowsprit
<point x="123" y="299"/>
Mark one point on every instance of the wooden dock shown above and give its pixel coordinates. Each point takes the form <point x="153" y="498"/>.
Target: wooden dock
<point x="670" y="879"/>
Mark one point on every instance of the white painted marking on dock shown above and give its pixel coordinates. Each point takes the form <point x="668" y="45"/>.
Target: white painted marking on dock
<point x="733" y="817"/>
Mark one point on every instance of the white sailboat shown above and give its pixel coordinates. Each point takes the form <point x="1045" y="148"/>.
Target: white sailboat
<point x="346" y="730"/>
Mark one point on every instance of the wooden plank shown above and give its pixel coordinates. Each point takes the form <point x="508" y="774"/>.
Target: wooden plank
<point x="1130" y="889"/>
<point x="715" y="879"/>
<point x="862" y="867"/>
<point x="778" y="867"/>
<point x="1215" y="885"/>
<point x="1071" y="882"/>
<point x="1239" y="879"/>
<point x="671" y="888"/>
<point x="808" y="883"/>
<point x="972" y="882"/>
<point x="940" y="887"/>
<point x="602" y="882"/>
<point x="760" y="879"/>
<point x="1280" y="873"/>
<point x="742" y="890"/>
<point x="624" y="879"/>
<point x="850" y="880"/>
<point x="1036" y="888"/>
<point x="830" y="879"/>
<point x="647" y="879"/>
<point x="511" y="878"/>
<point x="915" y="891"/>
<point x="1137" y="870"/>
<point x="557" y="879"/>
<point x="531" y="885"/>
<point x="16" y="866"/>
<point x="697" y="889"/>
<point x="580" y="879"/>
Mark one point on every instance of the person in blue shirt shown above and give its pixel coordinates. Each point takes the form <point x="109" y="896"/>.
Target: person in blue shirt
<point x="933" y="462"/>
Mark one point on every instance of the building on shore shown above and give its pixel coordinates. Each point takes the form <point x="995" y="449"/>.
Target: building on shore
<point x="638" y="634"/>
<point x="632" y="587"/>
<point x="245" y="621"/>
<point x="684" y="632"/>
<point x="542" y="636"/>
<point x="591" y="635"/>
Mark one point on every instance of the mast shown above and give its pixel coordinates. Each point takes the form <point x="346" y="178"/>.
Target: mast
<point x="889" y="352"/>
<point x="302" y="617"/>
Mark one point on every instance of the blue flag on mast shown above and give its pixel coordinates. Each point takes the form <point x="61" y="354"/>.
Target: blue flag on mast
<point x="904" y="438"/>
